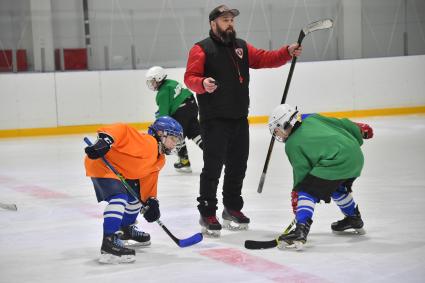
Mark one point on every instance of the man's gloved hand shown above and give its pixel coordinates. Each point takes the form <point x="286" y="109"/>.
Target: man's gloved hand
<point x="366" y="130"/>
<point x="151" y="210"/>
<point x="100" y="147"/>
<point x="294" y="201"/>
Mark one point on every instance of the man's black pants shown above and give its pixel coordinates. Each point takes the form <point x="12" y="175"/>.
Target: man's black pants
<point x="226" y="142"/>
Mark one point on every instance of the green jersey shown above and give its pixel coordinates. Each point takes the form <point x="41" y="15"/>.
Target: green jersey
<point x="170" y="96"/>
<point x="328" y="148"/>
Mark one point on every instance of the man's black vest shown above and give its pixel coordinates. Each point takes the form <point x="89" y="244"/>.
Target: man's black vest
<point x="229" y="66"/>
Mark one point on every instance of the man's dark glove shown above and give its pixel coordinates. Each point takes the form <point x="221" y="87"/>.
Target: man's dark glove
<point x="151" y="210"/>
<point x="101" y="147"/>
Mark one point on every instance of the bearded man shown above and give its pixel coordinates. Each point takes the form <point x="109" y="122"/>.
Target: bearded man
<point x="218" y="72"/>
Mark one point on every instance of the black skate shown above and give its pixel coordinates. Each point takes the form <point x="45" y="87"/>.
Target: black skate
<point x="133" y="237"/>
<point x="113" y="250"/>
<point x="296" y="238"/>
<point x="183" y="165"/>
<point x="210" y="226"/>
<point x="354" y="222"/>
<point x="234" y="220"/>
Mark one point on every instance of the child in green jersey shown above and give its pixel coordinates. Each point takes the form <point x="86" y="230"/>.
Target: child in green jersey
<point x="178" y="102"/>
<point x="326" y="158"/>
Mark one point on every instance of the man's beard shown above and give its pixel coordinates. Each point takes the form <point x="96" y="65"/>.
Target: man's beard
<point x="228" y="36"/>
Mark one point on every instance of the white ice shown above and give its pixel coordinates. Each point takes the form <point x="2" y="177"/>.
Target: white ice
<point x="56" y="233"/>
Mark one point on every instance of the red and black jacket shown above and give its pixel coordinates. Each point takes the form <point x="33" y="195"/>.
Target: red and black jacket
<point x="229" y="66"/>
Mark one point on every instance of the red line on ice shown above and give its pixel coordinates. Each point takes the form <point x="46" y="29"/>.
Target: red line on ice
<point x="273" y="271"/>
<point x="40" y="192"/>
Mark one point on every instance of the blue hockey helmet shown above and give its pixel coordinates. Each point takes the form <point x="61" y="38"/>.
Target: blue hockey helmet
<point x="166" y="126"/>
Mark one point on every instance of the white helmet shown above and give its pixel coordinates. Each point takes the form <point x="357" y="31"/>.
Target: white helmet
<point x="154" y="76"/>
<point x="282" y="117"/>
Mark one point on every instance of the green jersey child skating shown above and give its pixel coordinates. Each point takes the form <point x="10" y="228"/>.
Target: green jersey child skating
<point x="170" y="96"/>
<point x="326" y="159"/>
<point x="327" y="148"/>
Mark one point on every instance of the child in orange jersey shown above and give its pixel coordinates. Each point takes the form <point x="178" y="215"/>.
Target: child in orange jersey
<point x="138" y="157"/>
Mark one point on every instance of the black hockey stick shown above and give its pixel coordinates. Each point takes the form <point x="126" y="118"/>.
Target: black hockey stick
<point x="259" y="245"/>
<point x="319" y="25"/>
<point x="9" y="206"/>
<point x="192" y="240"/>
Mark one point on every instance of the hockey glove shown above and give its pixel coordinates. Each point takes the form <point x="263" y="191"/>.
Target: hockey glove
<point x="366" y="130"/>
<point x="101" y="147"/>
<point x="151" y="210"/>
<point x="294" y="201"/>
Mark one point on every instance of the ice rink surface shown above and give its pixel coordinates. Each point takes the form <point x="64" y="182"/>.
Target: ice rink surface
<point x="55" y="235"/>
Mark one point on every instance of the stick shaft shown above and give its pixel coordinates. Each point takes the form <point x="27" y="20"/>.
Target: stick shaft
<point x="285" y="94"/>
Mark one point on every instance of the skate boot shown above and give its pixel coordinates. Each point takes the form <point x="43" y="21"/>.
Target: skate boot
<point x="210" y="226"/>
<point x="296" y="238"/>
<point x="113" y="250"/>
<point x="183" y="165"/>
<point x="234" y="220"/>
<point x="354" y="222"/>
<point x="133" y="237"/>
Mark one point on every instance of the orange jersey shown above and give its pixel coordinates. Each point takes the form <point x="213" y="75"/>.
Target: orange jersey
<point x="134" y="155"/>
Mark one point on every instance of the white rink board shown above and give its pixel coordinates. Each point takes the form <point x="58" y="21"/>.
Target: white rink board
<point x="99" y="97"/>
<point x="27" y="101"/>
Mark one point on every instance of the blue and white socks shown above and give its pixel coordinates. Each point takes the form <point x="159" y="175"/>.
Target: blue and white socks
<point x="122" y="210"/>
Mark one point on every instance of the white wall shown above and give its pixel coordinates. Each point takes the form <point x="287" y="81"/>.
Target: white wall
<point x="84" y="98"/>
<point x="342" y="85"/>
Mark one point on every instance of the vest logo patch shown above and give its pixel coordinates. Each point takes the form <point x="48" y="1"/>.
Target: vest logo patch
<point x="239" y="52"/>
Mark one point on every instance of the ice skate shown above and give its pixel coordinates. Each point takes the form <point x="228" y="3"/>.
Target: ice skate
<point x="234" y="220"/>
<point x="210" y="226"/>
<point x="183" y="165"/>
<point x="133" y="237"/>
<point x="296" y="238"/>
<point x="113" y="251"/>
<point x="354" y="224"/>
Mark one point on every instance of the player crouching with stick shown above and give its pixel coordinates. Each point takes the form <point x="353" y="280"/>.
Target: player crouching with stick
<point x="326" y="158"/>
<point x="138" y="157"/>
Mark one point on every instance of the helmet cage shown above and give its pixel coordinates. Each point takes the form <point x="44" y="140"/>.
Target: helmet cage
<point x="154" y="77"/>
<point x="283" y="123"/>
<point x="162" y="128"/>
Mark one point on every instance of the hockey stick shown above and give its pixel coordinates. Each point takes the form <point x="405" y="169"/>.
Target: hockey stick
<point x="319" y="25"/>
<point x="259" y="245"/>
<point x="8" y="206"/>
<point x="194" y="239"/>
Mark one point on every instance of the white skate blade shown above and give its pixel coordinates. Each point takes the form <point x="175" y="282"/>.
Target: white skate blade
<point x="352" y="231"/>
<point x="184" y="170"/>
<point x="210" y="233"/>
<point x="233" y="226"/>
<point x="113" y="259"/>
<point x="296" y="245"/>
<point x="134" y="244"/>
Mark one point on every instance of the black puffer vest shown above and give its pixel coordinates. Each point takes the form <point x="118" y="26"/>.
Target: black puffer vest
<point x="229" y="66"/>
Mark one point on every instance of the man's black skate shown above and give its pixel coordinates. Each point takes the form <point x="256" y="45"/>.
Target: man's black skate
<point x="137" y="237"/>
<point x="183" y="165"/>
<point x="234" y="220"/>
<point x="349" y="222"/>
<point x="113" y="250"/>
<point x="210" y="226"/>
<point x="296" y="238"/>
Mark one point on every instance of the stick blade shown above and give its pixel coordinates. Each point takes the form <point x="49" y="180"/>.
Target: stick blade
<point x="318" y="25"/>
<point x="8" y="206"/>
<point x="259" y="245"/>
<point x="193" y="240"/>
